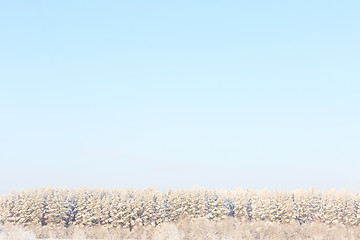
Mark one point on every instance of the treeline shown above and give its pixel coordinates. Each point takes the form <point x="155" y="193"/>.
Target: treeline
<point x="129" y="208"/>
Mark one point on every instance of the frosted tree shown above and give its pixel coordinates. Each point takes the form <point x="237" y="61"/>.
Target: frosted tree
<point x="94" y="207"/>
<point x="286" y="207"/>
<point x="345" y="208"/>
<point x="228" y="203"/>
<point x="356" y="203"/>
<point x="172" y="206"/>
<point x="69" y="209"/>
<point x="35" y="207"/>
<point x="157" y="208"/>
<point x="261" y="206"/>
<point x="18" y="206"/>
<point x="201" y="209"/>
<point x="216" y="207"/>
<point x="83" y="212"/>
<point x="53" y="207"/>
<point x="116" y="209"/>
<point x="105" y="206"/>
<point x="3" y="209"/>
<point x="124" y="217"/>
<point x="240" y="203"/>
<point x="137" y="209"/>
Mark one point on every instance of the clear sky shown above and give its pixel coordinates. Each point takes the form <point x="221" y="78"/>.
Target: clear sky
<point x="176" y="94"/>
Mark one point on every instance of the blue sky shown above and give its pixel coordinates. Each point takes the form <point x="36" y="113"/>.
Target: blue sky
<point x="176" y="94"/>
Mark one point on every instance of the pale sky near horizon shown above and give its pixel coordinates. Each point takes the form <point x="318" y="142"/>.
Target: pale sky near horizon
<point x="176" y="94"/>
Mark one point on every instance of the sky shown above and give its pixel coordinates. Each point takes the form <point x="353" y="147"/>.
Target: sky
<point x="177" y="94"/>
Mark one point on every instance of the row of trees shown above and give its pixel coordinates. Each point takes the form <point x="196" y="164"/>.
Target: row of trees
<point x="129" y="208"/>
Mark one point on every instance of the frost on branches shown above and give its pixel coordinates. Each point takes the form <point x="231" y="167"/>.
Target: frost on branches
<point x="129" y="208"/>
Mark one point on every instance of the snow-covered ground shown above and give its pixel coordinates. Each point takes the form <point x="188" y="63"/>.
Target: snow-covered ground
<point x="193" y="229"/>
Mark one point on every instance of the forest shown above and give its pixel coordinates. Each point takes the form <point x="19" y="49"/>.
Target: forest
<point x="129" y="208"/>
